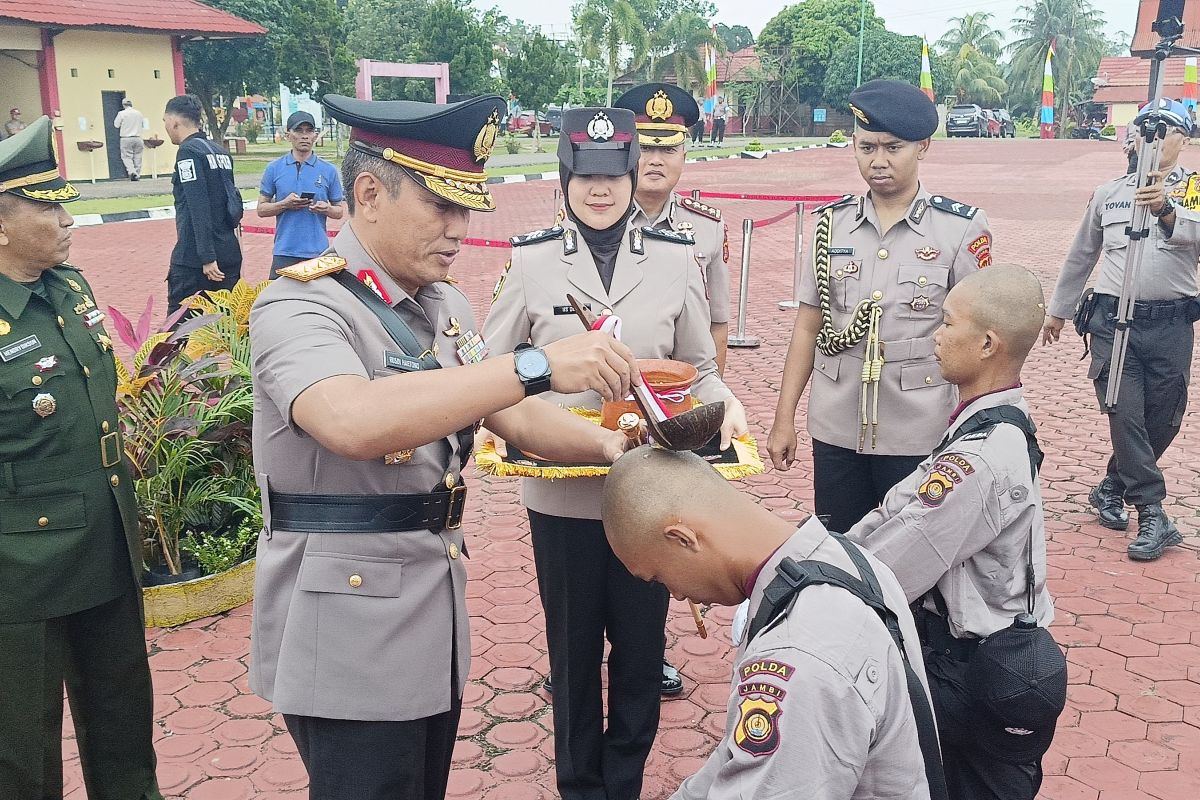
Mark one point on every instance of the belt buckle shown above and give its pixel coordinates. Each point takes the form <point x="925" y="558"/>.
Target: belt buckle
<point x="110" y="449"/>
<point x="455" y="507"/>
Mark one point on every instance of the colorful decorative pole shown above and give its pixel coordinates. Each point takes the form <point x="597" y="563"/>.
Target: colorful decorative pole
<point x="926" y="72"/>
<point x="1189" y="83"/>
<point x="1047" y="118"/>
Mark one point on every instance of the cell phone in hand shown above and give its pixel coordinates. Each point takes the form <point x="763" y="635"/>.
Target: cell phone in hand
<point x="307" y="195"/>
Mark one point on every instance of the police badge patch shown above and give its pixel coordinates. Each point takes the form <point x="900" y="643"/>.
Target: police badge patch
<point x="757" y="730"/>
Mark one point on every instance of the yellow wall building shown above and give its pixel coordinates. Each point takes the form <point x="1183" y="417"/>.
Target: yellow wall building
<point x="77" y="60"/>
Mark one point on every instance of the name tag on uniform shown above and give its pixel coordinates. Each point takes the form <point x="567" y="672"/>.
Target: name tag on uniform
<point x="20" y="348"/>
<point x="400" y="361"/>
<point x="841" y="251"/>
<point x="567" y="311"/>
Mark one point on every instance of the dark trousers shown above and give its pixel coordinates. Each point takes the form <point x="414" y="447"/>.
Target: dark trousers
<point x="587" y="594"/>
<point x="971" y="772"/>
<point x="1152" y="399"/>
<point x="279" y="262"/>
<point x="185" y="280"/>
<point x="357" y="760"/>
<point x="698" y="132"/>
<point x="718" y="132"/>
<point x="848" y="485"/>
<point x="100" y="654"/>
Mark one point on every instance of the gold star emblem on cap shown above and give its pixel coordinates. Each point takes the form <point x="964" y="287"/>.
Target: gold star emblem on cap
<point x="659" y="107"/>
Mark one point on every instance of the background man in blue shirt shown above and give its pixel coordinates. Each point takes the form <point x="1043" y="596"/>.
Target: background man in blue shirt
<point x="302" y="190"/>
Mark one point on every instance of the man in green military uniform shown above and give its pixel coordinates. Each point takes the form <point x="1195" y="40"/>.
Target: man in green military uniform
<point x="70" y="609"/>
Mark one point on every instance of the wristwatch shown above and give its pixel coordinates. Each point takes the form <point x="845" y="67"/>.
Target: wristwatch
<point x="533" y="368"/>
<point x="1167" y="208"/>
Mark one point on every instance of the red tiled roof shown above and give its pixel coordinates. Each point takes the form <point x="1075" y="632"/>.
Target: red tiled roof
<point x="179" y="17"/>
<point x="1145" y="39"/>
<point x="1125" y="79"/>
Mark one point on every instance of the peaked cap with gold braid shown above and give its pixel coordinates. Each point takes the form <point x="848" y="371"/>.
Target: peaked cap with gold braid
<point x="442" y="147"/>
<point x="663" y="113"/>
<point x="29" y="168"/>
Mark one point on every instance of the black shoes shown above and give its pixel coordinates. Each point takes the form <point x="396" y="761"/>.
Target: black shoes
<point x="1156" y="533"/>
<point x="1109" y="501"/>
<point x="672" y="683"/>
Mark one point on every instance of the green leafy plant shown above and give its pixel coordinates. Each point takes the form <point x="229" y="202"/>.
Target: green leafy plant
<point x="511" y="144"/>
<point x="186" y="406"/>
<point x="251" y="129"/>
<point x="837" y="137"/>
<point x="1027" y="126"/>
<point x="754" y="146"/>
<point x="1109" y="130"/>
<point x="219" y="552"/>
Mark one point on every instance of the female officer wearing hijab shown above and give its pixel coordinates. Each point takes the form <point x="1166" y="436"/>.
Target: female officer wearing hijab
<point x="651" y="280"/>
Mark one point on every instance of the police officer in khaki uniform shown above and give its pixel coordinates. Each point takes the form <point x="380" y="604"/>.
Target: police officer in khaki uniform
<point x="650" y="279"/>
<point x="819" y="705"/>
<point x="1154" y="383"/>
<point x="882" y="265"/>
<point x="961" y="531"/>
<point x="369" y="377"/>
<point x="70" y="550"/>
<point x="664" y="113"/>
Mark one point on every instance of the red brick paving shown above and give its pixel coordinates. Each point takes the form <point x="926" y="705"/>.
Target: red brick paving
<point x="1131" y="729"/>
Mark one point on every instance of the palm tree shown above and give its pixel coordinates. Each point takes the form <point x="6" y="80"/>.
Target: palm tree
<point x="678" y="45"/>
<point x="1077" y="29"/>
<point x="975" y="30"/>
<point x="605" y="27"/>
<point x="975" y="77"/>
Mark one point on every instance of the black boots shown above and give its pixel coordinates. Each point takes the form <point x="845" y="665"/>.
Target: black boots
<point x="1108" y="500"/>
<point x="1156" y="533"/>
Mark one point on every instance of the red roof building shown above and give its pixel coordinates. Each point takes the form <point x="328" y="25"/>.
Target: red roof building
<point x="77" y="60"/>
<point x="1123" y="84"/>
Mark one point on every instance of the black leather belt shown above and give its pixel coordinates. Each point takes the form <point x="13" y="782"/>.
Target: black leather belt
<point x="1152" y="309"/>
<point x="371" y="513"/>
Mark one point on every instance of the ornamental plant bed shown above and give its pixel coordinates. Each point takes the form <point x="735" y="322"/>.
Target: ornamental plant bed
<point x="186" y="405"/>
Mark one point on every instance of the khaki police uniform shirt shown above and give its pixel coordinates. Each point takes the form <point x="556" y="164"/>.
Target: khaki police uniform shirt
<point x="712" y="247"/>
<point x="819" y="706"/>
<point x="659" y="296"/>
<point x="908" y="272"/>
<point x="393" y="642"/>
<point x="963" y="521"/>
<point x="1168" y="266"/>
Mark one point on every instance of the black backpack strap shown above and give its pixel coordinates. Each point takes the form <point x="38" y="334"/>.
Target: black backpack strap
<point x="793" y="577"/>
<point x="406" y="340"/>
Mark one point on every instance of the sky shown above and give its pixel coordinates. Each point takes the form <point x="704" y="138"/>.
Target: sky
<point x="906" y="17"/>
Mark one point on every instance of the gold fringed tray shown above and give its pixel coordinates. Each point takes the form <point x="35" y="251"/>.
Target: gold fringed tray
<point x="740" y="461"/>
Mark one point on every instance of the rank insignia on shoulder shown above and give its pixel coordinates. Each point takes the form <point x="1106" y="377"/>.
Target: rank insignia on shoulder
<point x="663" y="234"/>
<point x="953" y="206"/>
<point x="841" y="201"/>
<point x="703" y="209"/>
<point x="570" y="243"/>
<point x="371" y="281"/>
<point x="544" y="235"/>
<point x="314" y="268"/>
<point x="635" y="242"/>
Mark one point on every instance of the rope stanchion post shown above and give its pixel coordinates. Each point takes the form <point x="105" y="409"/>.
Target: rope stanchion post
<point x="740" y="338"/>
<point x="794" y="303"/>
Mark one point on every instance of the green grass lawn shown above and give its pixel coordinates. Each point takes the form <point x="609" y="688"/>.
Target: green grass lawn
<point x="112" y="205"/>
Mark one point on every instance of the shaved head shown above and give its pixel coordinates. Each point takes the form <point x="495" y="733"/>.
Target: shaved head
<point x="1006" y="299"/>
<point x="671" y="518"/>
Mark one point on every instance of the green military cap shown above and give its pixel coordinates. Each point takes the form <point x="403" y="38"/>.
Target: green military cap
<point x="29" y="168"/>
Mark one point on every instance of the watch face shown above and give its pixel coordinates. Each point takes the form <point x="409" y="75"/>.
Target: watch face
<point x="532" y="364"/>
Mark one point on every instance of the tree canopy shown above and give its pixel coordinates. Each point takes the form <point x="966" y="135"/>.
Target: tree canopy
<point x="886" y="55"/>
<point x="538" y="71"/>
<point x="1077" y="29"/>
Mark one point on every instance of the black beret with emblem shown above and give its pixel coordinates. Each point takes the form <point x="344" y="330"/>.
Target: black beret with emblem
<point x="664" y="113"/>
<point x="443" y="147"/>
<point x="894" y="107"/>
<point x="29" y="168"/>
<point x="598" y="141"/>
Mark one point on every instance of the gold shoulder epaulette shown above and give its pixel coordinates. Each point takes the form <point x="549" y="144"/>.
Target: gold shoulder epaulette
<point x="314" y="268"/>
<point x="703" y="209"/>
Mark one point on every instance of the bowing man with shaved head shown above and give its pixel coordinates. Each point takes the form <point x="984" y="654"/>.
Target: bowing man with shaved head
<point x="821" y="704"/>
<point x="965" y="536"/>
